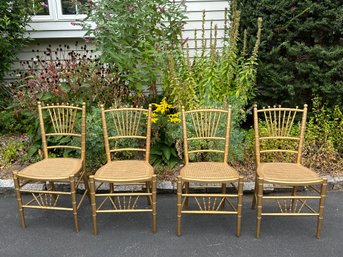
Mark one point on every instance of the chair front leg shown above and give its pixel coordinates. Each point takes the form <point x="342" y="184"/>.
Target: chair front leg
<point x="86" y="182"/>
<point x="19" y="199"/>
<point x="254" y="199"/>
<point x="259" y="206"/>
<point x="73" y="202"/>
<point x="239" y="206"/>
<point x="93" y="203"/>
<point x="323" y="192"/>
<point x="154" y="226"/>
<point x="179" y="204"/>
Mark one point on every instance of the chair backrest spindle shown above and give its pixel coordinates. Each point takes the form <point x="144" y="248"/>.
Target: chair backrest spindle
<point x="274" y="125"/>
<point x="208" y="125"/>
<point x="126" y="124"/>
<point x="61" y="121"/>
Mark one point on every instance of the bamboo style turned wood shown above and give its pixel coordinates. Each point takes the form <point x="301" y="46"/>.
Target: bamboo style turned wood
<point x="213" y="127"/>
<point x="125" y="130"/>
<point x="63" y="121"/>
<point x="279" y="139"/>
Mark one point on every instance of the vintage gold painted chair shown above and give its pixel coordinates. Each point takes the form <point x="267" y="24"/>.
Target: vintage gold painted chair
<point x="65" y="125"/>
<point x="126" y="130"/>
<point x="279" y="137"/>
<point x="207" y="131"/>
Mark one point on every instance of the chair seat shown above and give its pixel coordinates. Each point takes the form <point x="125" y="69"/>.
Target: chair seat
<point x="208" y="172"/>
<point x="125" y="171"/>
<point x="52" y="169"/>
<point x="291" y="173"/>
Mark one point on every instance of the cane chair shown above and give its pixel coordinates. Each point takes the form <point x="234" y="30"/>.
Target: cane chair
<point x="207" y="132"/>
<point x="279" y="138"/>
<point x="126" y="130"/>
<point x="62" y="127"/>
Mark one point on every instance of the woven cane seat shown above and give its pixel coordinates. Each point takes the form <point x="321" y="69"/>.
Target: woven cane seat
<point x="286" y="172"/>
<point x="208" y="171"/>
<point x="125" y="171"/>
<point x="52" y="169"/>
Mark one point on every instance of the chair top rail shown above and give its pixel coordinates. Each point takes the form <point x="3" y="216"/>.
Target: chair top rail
<point x="279" y="151"/>
<point x="127" y="149"/>
<point x="64" y="134"/>
<point x="206" y="138"/>
<point x="126" y="109"/>
<point x="279" y="109"/>
<point x="280" y="137"/>
<point x="64" y="146"/>
<point x="124" y="137"/>
<point x="207" y="110"/>
<point x="61" y="105"/>
<point x="206" y="151"/>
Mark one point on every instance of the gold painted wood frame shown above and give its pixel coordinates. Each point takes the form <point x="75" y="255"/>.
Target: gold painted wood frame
<point x="279" y="137"/>
<point x="126" y="130"/>
<point x="67" y="125"/>
<point x="208" y="131"/>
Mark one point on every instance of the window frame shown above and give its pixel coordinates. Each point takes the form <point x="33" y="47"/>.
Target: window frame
<point x="55" y="13"/>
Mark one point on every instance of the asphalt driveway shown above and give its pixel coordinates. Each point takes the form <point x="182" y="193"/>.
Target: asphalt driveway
<point x="52" y="233"/>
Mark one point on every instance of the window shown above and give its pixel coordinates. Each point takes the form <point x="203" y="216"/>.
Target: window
<point x="53" y="10"/>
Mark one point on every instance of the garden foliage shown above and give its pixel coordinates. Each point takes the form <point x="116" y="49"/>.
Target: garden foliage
<point x="301" y="53"/>
<point x="13" y="19"/>
<point x="215" y="78"/>
<point x="133" y="36"/>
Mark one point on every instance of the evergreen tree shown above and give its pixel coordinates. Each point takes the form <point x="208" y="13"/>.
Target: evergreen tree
<point x="301" y="53"/>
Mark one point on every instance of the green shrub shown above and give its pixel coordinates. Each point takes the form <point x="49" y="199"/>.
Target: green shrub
<point x="301" y="53"/>
<point x="166" y="132"/>
<point x="13" y="19"/>
<point x="133" y="36"/>
<point x="215" y="78"/>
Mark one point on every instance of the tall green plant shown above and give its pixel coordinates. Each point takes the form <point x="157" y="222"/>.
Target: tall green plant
<point x="14" y="17"/>
<point x="133" y="35"/>
<point x="214" y="76"/>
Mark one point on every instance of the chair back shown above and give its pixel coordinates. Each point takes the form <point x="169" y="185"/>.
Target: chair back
<point x="279" y="131"/>
<point x="62" y="124"/>
<point x="209" y="125"/>
<point x="126" y="130"/>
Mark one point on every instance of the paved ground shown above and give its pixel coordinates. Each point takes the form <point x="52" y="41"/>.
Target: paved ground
<point x="52" y="234"/>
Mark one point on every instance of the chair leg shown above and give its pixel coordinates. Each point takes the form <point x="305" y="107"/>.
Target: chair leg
<point x="154" y="226"/>
<point x="147" y="185"/>
<point x="19" y="200"/>
<point x="294" y="193"/>
<point x="93" y="203"/>
<point x="187" y="192"/>
<point x="321" y="206"/>
<point x="73" y="201"/>
<point x="254" y="202"/>
<point x="259" y="206"/>
<point x="239" y="206"/>
<point x="179" y="204"/>
<point x="86" y="182"/>
<point x="222" y="206"/>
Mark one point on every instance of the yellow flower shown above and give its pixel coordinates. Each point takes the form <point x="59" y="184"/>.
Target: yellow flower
<point x="162" y="107"/>
<point x="174" y="118"/>
<point x="154" y="118"/>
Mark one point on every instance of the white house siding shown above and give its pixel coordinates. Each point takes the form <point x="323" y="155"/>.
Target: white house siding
<point x="63" y="33"/>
